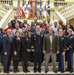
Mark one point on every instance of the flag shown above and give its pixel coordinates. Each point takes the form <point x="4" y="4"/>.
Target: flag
<point x="49" y="7"/>
<point x="18" y="10"/>
<point x="27" y="14"/>
<point x="23" y="10"/>
<point x="45" y="9"/>
<point x="35" y="8"/>
<point x="40" y="7"/>
<point x="31" y="7"/>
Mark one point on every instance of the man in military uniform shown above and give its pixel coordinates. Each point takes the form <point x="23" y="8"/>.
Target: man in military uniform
<point x="37" y="42"/>
<point x="62" y="49"/>
<point x="70" y="47"/>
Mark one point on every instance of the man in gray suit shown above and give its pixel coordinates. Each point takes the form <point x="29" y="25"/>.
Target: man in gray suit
<point x="50" y="48"/>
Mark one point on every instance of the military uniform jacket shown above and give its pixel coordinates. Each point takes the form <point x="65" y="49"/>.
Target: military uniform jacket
<point x="62" y="43"/>
<point x="70" y="40"/>
<point x="37" y="42"/>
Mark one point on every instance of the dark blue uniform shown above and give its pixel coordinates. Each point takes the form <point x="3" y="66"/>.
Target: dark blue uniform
<point x="37" y="42"/>
<point x="70" y="45"/>
<point x="62" y="48"/>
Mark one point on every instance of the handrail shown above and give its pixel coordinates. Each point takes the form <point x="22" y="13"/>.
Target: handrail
<point x="61" y="8"/>
<point x="3" y="5"/>
<point x="61" y="17"/>
<point x="2" y="22"/>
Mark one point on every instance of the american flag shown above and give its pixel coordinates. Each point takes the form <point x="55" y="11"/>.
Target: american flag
<point x="18" y="10"/>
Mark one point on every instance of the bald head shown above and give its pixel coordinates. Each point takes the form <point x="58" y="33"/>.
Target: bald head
<point x="15" y="17"/>
<point x="38" y="28"/>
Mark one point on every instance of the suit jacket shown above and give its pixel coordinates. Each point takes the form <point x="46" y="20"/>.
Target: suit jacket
<point x="47" y="45"/>
<point x="7" y="45"/>
<point x="13" y="23"/>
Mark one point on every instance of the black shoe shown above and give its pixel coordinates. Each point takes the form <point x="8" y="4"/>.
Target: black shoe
<point x="6" y="71"/>
<point x="62" y="71"/>
<point x="15" y="71"/>
<point x="46" y="71"/>
<point x="27" y="70"/>
<point x="35" y="71"/>
<point x="55" y="71"/>
<point x="71" y="71"/>
<point x="39" y="71"/>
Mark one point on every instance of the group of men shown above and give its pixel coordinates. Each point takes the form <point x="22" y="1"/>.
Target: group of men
<point x="48" y="40"/>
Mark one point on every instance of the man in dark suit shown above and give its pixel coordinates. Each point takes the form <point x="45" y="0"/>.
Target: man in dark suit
<point x="70" y="48"/>
<point x="50" y="48"/>
<point x="37" y="42"/>
<point x="15" y="21"/>
<point x="36" y="23"/>
<point x="7" y="51"/>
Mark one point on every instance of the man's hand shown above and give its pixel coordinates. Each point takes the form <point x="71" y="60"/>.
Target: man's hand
<point x="28" y="50"/>
<point x="57" y="51"/>
<point x="5" y="53"/>
<point x="15" y="53"/>
<point x="32" y="50"/>
<point x="63" y="53"/>
<point x="67" y="48"/>
<point x="70" y="47"/>
<point x="44" y="51"/>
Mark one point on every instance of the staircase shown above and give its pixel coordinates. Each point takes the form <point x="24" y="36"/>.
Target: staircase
<point x="65" y="13"/>
<point x="5" y="15"/>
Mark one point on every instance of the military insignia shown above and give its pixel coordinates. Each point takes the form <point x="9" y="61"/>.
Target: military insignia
<point x="41" y="35"/>
<point x="71" y="37"/>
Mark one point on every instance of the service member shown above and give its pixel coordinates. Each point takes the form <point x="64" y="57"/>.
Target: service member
<point x="37" y="42"/>
<point x="70" y="47"/>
